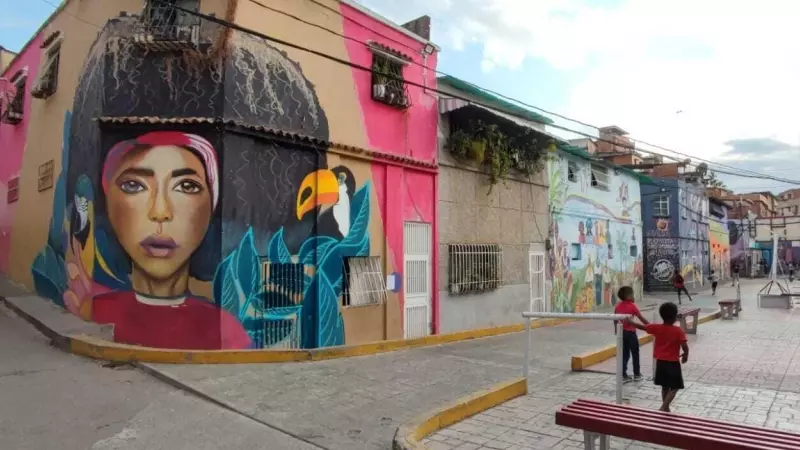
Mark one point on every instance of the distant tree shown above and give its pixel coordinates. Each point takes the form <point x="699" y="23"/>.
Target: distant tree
<point x="714" y="182"/>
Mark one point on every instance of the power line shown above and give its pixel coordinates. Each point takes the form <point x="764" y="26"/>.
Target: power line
<point x="234" y="26"/>
<point x="497" y="93"/>
<point x="740" y="172"/>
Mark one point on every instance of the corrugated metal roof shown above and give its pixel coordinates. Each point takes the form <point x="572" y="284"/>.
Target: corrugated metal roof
<point x="581" y="153"/>
<point x="493" y="100"/>
<point x="447" y="105"/>
<point x="299" y="137"/>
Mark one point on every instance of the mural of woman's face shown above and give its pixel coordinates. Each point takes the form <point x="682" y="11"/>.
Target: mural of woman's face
<point x="159" y="206"/>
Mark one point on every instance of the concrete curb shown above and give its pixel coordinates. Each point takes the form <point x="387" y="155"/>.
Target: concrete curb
<point x="408" y="436"/>
<point x="102" y="349"/>
<point x="586" y="360"/>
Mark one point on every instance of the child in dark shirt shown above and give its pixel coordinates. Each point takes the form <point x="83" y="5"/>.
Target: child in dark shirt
<point x="670" y="339"/>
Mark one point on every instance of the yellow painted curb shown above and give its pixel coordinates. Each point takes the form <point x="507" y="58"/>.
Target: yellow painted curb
<point x="102" y="349"/>
<point x="409" y="435"/>
<point x="586" y="360"/>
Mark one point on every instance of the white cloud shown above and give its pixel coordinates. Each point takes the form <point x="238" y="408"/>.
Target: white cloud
<point x="731" y="67"/>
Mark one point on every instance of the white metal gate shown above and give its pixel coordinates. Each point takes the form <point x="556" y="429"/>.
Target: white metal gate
<point x="417" y="279"/>
<point x="536" y="261"/>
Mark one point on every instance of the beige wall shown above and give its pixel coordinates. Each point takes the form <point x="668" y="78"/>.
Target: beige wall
<point x="336" y="89"/>
<point x="789" y="224"/>
<point x="514" y="215"/>
<point x="5" y="58"/>
<point x="45" y="131"/>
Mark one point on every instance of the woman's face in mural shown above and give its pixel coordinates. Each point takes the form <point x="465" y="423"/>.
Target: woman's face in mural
<point x="159" y="205"/>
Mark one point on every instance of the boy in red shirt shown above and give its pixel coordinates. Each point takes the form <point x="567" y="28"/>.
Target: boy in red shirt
<point x="678" y="282"/>
<point x="630" y="341"/>
<point x="670" y="339"/>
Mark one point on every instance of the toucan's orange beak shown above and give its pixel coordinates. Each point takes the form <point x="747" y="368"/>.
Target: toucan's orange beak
<point x="317" y="189"/>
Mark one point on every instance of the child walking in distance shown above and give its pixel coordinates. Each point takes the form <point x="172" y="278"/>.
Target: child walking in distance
<point x="735" y="274"/>
<point x="670" y="339"/>
<point x="677" y="281"/>
<point x="630" y="341"/>
<point x="714" y="279"/>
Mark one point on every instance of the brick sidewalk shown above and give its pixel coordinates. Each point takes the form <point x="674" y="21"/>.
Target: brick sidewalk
<point x="745" y="370"/>
<point x="529" y="422"/>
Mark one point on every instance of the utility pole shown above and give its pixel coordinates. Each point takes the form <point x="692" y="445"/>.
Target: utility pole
<point x="773" y="273"/>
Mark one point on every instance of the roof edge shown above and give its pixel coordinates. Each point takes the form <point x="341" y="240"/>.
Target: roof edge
<point x="502" y="105"/>
<point x="397" y="27"/>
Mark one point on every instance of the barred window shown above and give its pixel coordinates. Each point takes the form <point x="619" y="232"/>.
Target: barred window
<point x="475" y="268"/>
<point x="363" y="281"/>
<point x="388" y="85"/>
<point x="15" y="106"/>
<point x="47" y="82"/>
<point x="281" y="303"/>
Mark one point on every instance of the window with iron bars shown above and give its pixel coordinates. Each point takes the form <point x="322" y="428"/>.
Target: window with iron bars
<point x="282" y="302"/>
<point x="47" y="83"/>
<point x="363" y="281"/>
<point x="388" y="85"/>
<point x="475" y="268"/>
<point x="164" y="21"/>
<point x="16" y="107"/>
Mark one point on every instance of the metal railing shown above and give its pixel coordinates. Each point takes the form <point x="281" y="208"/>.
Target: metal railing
<point x="583" y="316"/>
<point x="162" y="22"/>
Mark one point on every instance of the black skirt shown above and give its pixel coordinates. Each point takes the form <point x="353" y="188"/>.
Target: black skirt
<point x="669" y="374"/>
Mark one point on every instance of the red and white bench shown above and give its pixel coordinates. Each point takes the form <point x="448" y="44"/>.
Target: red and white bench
<point x="730" y="308"/>
<point x="600" y="420"/>
<point x="689" y="311"/>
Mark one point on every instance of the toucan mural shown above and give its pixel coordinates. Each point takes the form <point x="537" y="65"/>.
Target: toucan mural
<point x="332" y="190"/>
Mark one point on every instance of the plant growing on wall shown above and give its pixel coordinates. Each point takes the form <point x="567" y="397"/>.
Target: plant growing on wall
<point x="499" y="150"/>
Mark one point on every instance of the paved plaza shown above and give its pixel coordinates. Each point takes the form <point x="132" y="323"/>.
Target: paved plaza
<point x="358" y="403"/>
<point x="745" y="370"/>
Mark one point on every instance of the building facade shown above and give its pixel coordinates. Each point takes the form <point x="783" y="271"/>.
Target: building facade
<point x="694" y="235"/>
<point x="16" y="84"/>
<point x="6" y="56"/>
<point x="214" y="189"/>
<point x="491" y="242"/>
<point x="676" y="233"/>
<point x="789" y="203"/>
<point x="719" y="238"/>
<point x="595" y="231"/>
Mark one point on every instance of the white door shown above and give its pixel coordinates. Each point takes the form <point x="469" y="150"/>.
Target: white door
<point x="417" y="279"/>
<point x="536" y="261"/>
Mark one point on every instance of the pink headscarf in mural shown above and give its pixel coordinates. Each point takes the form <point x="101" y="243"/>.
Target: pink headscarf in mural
<point x="200" y="146"/>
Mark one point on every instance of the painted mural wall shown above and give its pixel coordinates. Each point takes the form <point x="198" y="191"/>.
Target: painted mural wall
<point x="694" y="235"/>
<point x="661" y="232"/>
<point x="719" y="243"/>
<point x="12" y="141"/>
<point x="596" y="237"/>
<point x="185" y="231"/>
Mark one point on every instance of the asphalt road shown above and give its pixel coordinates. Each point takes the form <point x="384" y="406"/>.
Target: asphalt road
<point x="56" y="401"/>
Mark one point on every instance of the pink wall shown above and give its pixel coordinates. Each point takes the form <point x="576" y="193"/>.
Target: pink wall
<point x="12" y="143"/>
<point x="403" y="194"/>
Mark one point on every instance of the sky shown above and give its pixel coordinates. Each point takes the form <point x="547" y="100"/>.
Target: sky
<point x="711" y="79"/>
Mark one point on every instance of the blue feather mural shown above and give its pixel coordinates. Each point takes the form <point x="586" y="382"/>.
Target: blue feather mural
<point x="268" y="309"/>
